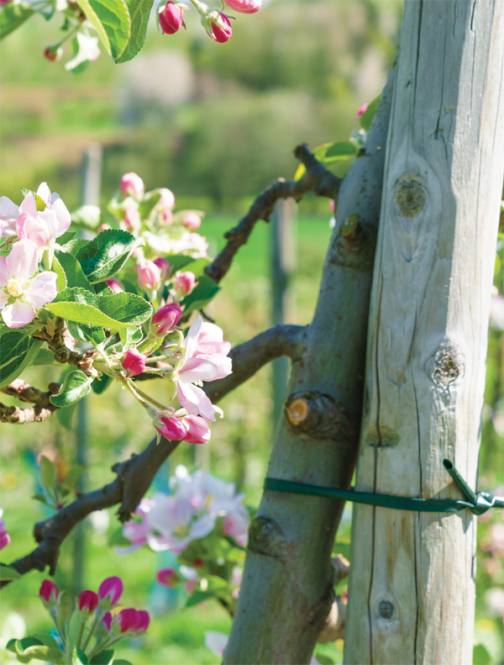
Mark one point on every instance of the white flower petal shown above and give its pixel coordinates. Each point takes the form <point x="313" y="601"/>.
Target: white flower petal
<point x="42" y="289"/>
<point x="44" y="192"/>
<point x="22" y="260"/>
<point x="28" y="205"/>
<point x="192" y="338"/>
<point x="9" y="211"/>
<point x="195" y="401"/>
<point x="3" y="299"/>
<point x="5" y="273"/>
<point x="62" y="216"/>
<point x="18" y="314"/>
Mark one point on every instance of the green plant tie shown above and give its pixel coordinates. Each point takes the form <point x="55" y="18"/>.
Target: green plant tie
<point x="479" y="502"/>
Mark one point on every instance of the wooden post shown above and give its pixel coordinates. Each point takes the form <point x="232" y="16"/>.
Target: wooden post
<point x="91" y="179"/>
<point x="283" y="264"/>
<point x="411" y="595"/>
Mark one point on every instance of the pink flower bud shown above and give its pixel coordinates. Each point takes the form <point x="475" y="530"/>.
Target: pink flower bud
<point x="143" y="620"/>
<point x="164" y="268"/>
<point x="191" y="221"/>
<point x="198" y="430"/>
<point x="104" y="227"/>
<point x="110" y="591"/>
<point x="52" y="53"/>
<point x="168" y="577"/>
<point x="88" y="601"/>
<point x="332" y="205"/>
<point x="149" y="274"/>
<point x="49" y="592"/>
<point x="172" y="429"/>
<point x="127" y="620"/>
<point x="132" y="185"/>
<point x="134" y="363"/>
<point x="4" y="539"/>
<point x="131" y="219"/>
<point x="107" y="620"/>
<point x="167" y="318"/>
<point x="244" y="6"/>
<point x="167" y="200"/>
<point x="171" y="18"/>
<point x="114" y="285"/>
<point x="362" y="110"/>
<point x="165" y="217"/>
<point x="221" y="33"/>
<point x="185" y="282"/>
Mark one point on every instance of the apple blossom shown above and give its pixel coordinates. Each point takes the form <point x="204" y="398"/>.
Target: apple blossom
<point x="149" y="275"/>
<point x="131" y="219"/>
<point x="362" y="109"/>
<point x="104" y="227"/>
<point x="165" y="217"/>
<point x="185" y="282"/>
<point x="87" y="51"/>
<point x="132" y="185"/>
<point x="221" y="29"/>
<point x="143" y="621"/>
<point x="110" y="591"/>
<point x="53" y="53"/>
<point x="137" y="532"/>
<point x="9" y="212"/>
<point x="107" y="620"/>
<point x="21" y="294"/>
<point x="198" y="430"/>
<point x="216" y="642"/>
<point x="164" y="268"/>
<point x="114" y="285"/>
<point x="88" y="602"/>
<point x="191" y="220"/>
<point x="126" y="620"/>
<point x="244" y="6"/>
<point x="134" y="362"/>
<point x="171" y="428"/>
<point x="167" y="200"/>
<point x="166" y="318"/>
<point x="4" y="536"/>
<point x="168" y="577"/>
<point x="49" y="593"/>
<point x="236" y="524"/>
<point x="205" y="359"/>
<point x="171" y="18"/>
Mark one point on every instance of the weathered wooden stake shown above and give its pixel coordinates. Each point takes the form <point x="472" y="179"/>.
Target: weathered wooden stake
<point x="411" y="595"/>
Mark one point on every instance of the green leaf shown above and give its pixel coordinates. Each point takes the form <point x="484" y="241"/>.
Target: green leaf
<point x="73" y="629"/>
<point x="130" y="336"/>
<point x="73" y="247"/>
<point x="481" y="655"/>
<point x="74" y="474"/>
<point x="39" y="497"/>
<point x="103" y="658"/>
<point x="30" y="648"/>
<point x="61" y="282"/>
<point x="84" y="333"/>
<point x="117" y="311"/>
<point x="121" y="661"/>
<point x="178" y="261"/>
<point x="18" y="351"/>
<point x="12" y="16"/>
<point x="201" y="296"/>
<point x="106" y="254"/>
<point x="339" y="151"/>
<point x="366" y="119"/>
<point x="323" y="659"/>
<point x="103" y="289"/>
<point x="76" y="386"/>
<point x="74" y="274"/>
<point x="198" y="597"/>
<point x="139" y="11"/>
<point x="112" y="22"/>
<point x="214" y="582"/>
<point x="11" y="645"/>
<point x="148" y="204"/>
<point x="82" y="656"/>
<point x="44" y="357"/>
<point x="48" y="473"/>
<point x="198" y="266"/>
<point x="46" y="639"/>
<point x="7" y="573"/>
<point x="117" y="538"/>
<point x="100" y="385"/>
<point x="66" y="237"/>
<point x="65" y="417"/>
<point x="86" y="217"/>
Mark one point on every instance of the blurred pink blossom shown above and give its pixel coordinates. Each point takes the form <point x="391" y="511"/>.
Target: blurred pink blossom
<point x="244" y="6"/>
<point x="362" y="109"/>
<point x="132" y="185"/>
<point x="4" y="536"/>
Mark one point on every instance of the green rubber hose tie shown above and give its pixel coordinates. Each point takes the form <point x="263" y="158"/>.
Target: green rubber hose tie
<point x="478" y="503"/>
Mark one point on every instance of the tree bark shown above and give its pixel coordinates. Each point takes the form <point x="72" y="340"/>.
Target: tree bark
<point x="411" y="595"/>
<point x="287" y="589"/>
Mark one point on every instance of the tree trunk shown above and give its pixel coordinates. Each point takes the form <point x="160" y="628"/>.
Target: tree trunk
<point x="411" y="595"/>
<point x="287" y="588"/>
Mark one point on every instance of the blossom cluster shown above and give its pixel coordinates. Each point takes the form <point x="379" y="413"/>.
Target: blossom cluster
<point x="4" y="536"/>
<point x="198" y="503"/>
<point x="28" y="235"/>
<point x="109" y="625"/>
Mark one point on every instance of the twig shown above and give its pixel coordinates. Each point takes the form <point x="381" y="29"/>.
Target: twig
<point x="133" y="478"/>
<point x="26" y="393"/>
<point x="317" y="179"/>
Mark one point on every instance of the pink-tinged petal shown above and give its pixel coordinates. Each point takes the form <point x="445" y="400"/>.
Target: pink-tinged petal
<point x="3" y="299"/>
<point x="62" y="215"/>
<point x="9" y="211"/>
<point x="36" y="228"/>
<point x="210" y="333"/>
<point x="197" y="369"/>
<point x="44" y="192"/>
<point x="202" y="526"/>
<point x="18" y="314"/>
<point x="209" y="348"/>
<point x="195" y="401"/>
<point x="5" y="273"/>
<point x="42" y="289"/>
<point x="192" y="338"/>
<point x="22" y="260"/>
<point x="198" y="430"/>
<point x="223" y="365"/>
<point x="28" y="205"/>
<point x="7" y="229"/>
<point x="216" y="642"/>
